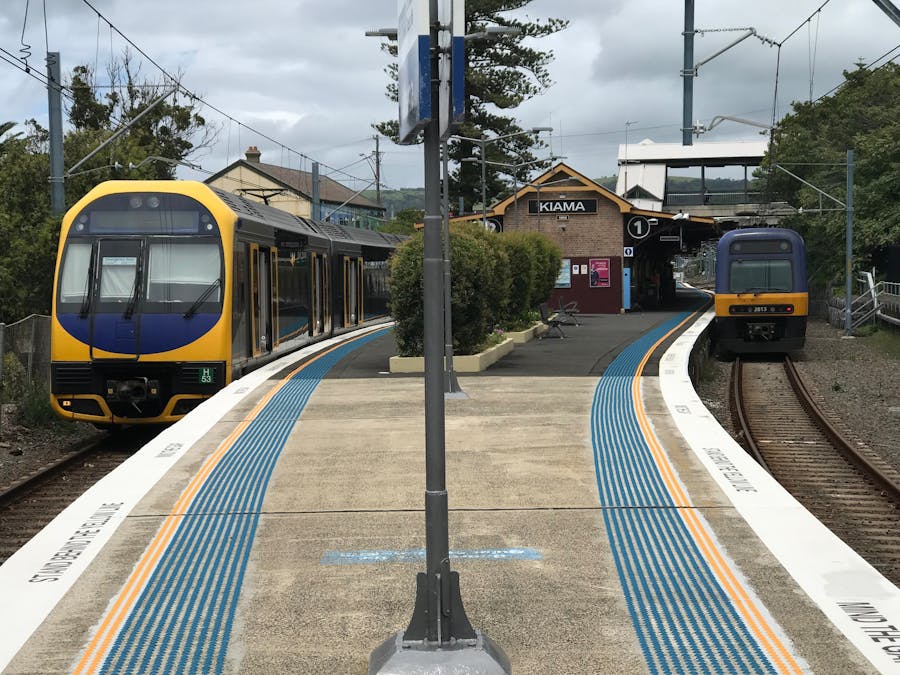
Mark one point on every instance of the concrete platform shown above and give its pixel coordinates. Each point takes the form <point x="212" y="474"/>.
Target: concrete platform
<point x="331" y="572"/>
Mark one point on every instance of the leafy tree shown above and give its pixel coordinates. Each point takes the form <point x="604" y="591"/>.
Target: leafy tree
<point x="404" y="222"/>
<point x="812" y="143"/>
<point x="28" y="232"/>
<point x="500" y="75"/>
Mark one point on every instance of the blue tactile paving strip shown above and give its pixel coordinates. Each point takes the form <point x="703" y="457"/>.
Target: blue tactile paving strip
<point x="685" y="620"/>
<point x="182" y="619"/>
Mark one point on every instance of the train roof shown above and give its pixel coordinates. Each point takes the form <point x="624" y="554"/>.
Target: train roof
<point x="269" y="215"/>
<point x="761" y="233"/>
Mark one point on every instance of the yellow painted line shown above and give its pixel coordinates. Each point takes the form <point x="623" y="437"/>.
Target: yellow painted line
<point x="776" y="649"/>
<point x="99" y="644"/>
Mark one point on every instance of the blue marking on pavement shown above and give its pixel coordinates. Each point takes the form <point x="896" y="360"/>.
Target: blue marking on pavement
<point x="684" y="620"/>
<point x="182" y="620"/>
<point x="418" y="555"/>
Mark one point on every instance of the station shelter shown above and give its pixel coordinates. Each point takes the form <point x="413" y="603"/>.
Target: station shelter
<point x="616" y="257"/>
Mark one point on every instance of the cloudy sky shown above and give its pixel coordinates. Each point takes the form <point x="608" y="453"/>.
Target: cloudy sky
<point x="302" y="73"/>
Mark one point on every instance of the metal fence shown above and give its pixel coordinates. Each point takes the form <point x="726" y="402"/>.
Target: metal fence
<point x="25" y="352"/>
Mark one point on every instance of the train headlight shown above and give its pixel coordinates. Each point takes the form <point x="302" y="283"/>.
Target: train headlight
<point x="789" y="309"/>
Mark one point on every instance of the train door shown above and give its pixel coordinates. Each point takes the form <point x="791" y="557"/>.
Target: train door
<point x="273" y="285"/>
<point x="352" y="295"/>
<point x="360" y="292"/>
<point x="116" y="320"/>
<point x="321" y="320"/>
<point x="260" y="300"/>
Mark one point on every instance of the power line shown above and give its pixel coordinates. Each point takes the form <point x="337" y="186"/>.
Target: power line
<point x="199" y="99"/>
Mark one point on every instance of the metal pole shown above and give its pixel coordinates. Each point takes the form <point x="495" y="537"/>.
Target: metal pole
<point x="848" y="290"/>
<point x="451" y="385"/>
<point x="316" y="206"/>
<point x="57" y="167"/>
<point x="687" y="72"/>
<point x="437" y="538"/>
<point x="483" y="185"/>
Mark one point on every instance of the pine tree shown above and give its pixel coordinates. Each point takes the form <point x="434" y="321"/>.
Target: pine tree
<point x="500" y="75"/>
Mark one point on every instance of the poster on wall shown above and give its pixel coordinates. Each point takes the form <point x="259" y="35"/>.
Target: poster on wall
<point x="564" y="279"/>
<point x="599" y="272"/>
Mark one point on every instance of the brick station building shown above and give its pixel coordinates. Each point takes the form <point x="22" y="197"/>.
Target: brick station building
<point x="616" y="257"/>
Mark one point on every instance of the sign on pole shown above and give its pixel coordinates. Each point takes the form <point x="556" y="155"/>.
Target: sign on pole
<point x="452" y="65"/>
<point x="413" y="68"/>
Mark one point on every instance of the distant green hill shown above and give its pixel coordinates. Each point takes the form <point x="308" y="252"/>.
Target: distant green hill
<point x="396" y="201"/>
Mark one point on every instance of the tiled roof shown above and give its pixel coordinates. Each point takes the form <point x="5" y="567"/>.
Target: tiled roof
<point x="301" y="182"/>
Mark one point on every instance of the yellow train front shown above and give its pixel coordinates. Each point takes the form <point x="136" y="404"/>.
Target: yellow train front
<point x="166" y="291"/>
<point x="762" y="298"/>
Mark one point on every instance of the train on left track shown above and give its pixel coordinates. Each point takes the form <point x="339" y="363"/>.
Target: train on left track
<point x="167" y="291"/>
<point x="762" y="296"/>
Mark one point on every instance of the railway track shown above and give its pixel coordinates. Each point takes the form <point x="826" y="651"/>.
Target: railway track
<point x="852" y="492"/>
<point x="33" y="502"/>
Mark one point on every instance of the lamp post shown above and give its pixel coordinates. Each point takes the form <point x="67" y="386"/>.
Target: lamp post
<point x="514" y="168"/>
<point x="482" y="144"/>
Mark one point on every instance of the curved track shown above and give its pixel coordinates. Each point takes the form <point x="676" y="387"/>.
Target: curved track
<point x="787" y="433"/>
<point x="32" y="503"/>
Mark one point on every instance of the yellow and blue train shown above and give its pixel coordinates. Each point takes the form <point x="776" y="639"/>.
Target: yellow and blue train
<point x="166" y="291"/>
<point x="762" y="297"/>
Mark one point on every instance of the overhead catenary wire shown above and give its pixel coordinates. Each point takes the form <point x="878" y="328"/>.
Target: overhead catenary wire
<point x="206" y="103"/>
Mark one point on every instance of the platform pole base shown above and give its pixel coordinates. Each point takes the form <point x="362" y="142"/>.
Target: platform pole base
<point x="396" y="656"/>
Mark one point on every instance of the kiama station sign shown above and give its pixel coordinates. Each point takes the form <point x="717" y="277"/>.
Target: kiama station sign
<point x="568" y="206"/>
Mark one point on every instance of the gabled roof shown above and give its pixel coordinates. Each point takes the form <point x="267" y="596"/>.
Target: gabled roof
<point x="565" y="177"/>
<point x="300" y="182"/>
<point x="559" y="177"/>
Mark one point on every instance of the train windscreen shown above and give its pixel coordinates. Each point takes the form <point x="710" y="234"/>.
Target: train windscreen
<point x="761" y="276"/>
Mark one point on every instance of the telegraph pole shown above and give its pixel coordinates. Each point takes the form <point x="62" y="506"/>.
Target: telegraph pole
<point x="57" y="185"/>
<point x="377" y="172"/>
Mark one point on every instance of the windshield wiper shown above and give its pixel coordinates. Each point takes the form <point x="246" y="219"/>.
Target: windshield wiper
<point x="89" y="294"/>
<point x="138" y="275"/>
<point x="203" y="296"/>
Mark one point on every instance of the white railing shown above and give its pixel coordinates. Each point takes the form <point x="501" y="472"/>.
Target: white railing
<point x="877" y="301"/>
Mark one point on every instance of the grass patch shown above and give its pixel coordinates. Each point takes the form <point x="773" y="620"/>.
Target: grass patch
<point x="887" y="341"/>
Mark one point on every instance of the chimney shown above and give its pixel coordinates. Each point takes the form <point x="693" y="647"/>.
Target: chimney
<point x="253" y="154"/>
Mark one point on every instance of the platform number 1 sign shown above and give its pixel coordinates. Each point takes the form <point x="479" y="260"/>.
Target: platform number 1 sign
<point x="638" y="227"/>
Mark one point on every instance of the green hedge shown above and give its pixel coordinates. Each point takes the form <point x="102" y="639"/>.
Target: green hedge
<point x="495" y="280"/>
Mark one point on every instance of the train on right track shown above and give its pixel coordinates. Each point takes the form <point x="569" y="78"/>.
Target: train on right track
<point x="761" y="292"/>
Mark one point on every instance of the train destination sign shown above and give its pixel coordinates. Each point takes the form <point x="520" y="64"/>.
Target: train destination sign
<point x="562" y="206"/>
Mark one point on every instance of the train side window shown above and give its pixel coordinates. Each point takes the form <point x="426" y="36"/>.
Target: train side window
<point x="74" y="280"/>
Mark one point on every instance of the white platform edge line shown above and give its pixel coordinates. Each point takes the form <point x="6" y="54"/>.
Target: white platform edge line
<point x="37" y="576"/>
<point x="828" y="570"/>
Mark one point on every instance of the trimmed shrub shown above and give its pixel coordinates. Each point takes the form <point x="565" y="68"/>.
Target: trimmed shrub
<point x="547" y="258"/>
<point x="497" y="282"/>
<point x="521" y="276"/>
<point x="493" y="283"/>
<point x="407" y="293"/>
<point x="471" y="266"/>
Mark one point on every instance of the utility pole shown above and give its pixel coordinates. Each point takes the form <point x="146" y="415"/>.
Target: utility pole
<point x="57" y="184"/>
<point x="316" y="205"/>
<point x="377" y="172"/>
<point x="687" y="72"/>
